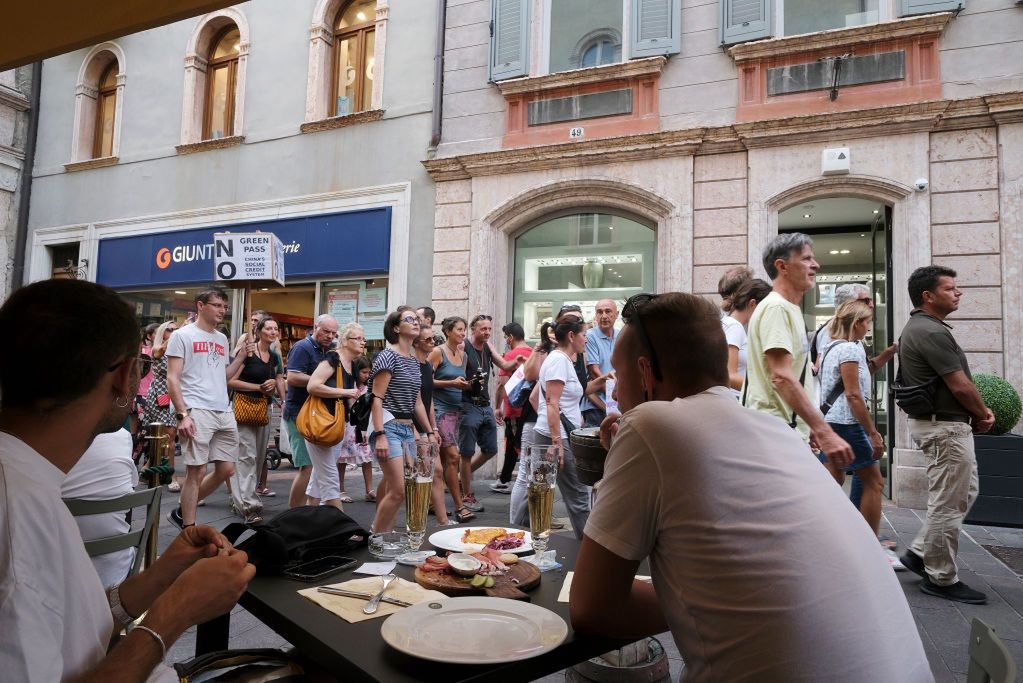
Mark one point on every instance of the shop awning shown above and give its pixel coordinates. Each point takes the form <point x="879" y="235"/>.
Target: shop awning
<point x="35" y="30"/>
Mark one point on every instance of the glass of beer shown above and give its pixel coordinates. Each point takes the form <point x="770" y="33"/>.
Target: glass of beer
<point x="418" y="465"/>
<point x="543" y="477"/>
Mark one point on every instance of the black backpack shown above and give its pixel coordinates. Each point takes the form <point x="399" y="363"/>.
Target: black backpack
<point x="298" y="535"/>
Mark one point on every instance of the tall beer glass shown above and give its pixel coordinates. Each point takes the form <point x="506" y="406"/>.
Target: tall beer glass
<point x="543" y="477"/>
<point x="418" y="465"/>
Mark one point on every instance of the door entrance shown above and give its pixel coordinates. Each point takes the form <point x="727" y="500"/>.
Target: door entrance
<point x="852" y="243"/>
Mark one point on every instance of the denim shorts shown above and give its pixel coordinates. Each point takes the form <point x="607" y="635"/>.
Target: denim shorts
<point x="855" y="436"/>
<point x="398" y="433"/>
<point x="477" y="426"/>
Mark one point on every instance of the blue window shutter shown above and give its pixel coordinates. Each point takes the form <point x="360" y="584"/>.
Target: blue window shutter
<point x="656" y="28"/>
<point x="743" y="20"/>
<point x="509" y="39"/>
<point x="910" y="7"/>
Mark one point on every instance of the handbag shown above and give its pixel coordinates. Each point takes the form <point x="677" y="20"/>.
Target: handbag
<point x="520" y="394"/>
<point x="315" y="422"/>
<point x="358" y="414"/>
<point x="250" y="410"/>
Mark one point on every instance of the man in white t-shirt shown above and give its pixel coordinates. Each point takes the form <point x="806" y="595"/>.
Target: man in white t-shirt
<point x="57" y="623"/>
<point x="197" y="372"/>
<point x="105" y="471"/>
<point x="761" y="569"/>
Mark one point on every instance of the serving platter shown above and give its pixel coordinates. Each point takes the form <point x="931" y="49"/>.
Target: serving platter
<point x="451" y="539"/>
<point x="521" y="576"/>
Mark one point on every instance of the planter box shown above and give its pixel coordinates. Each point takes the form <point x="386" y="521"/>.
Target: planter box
<point x="1000" y="464"/>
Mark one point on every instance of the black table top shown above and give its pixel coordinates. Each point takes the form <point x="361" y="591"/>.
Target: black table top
<point x="357" y="652"/>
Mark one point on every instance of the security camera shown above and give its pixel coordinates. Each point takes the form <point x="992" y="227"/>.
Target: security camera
<point x="921" y="184"/>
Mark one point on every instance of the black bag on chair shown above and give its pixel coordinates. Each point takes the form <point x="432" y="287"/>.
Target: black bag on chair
<point x="297" y="535"/>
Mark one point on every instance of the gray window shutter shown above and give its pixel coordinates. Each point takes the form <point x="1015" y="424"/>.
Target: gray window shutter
<point x="909" y="7"/>
<point x="509" y="39"/>
<point x="743" y="20"/>
<point x="656" y="28"/>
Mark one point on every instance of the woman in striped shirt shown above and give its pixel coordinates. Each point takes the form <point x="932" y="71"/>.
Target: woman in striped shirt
<point x="395" y="385"/>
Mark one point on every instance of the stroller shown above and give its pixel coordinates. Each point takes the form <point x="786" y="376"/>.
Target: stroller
<point x="278" y="446"/>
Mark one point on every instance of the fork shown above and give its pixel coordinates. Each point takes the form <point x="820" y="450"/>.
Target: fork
<point x="374" y="602"/>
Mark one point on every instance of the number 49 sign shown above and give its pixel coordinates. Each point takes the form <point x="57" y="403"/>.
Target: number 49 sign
<point x="252" y="258"/>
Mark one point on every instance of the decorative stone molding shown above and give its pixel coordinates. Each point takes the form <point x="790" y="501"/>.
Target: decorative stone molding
<point x="321" y="53"/>
<point x="86" y="95"/>
<point x="196" y="63"/>
<point x="918" y="117"/>
<point x="595" y="74"/>
<point x="10" y="97"/>
<point x="206" y="145"/>
<point x="90" y="163"/>
<point x="342" y="121"/>
<point x="840" y="38"/>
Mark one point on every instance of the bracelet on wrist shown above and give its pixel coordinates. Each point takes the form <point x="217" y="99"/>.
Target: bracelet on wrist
<point x="157" y="636"/>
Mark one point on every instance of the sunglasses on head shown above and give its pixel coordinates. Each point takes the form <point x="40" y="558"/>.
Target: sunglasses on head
<point x="481" y="316"/>
<point x="631" y="313"/>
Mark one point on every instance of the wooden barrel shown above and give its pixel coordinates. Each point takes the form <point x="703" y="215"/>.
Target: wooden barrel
<point x="641" y="662"/>
<point x="589" y="454"/>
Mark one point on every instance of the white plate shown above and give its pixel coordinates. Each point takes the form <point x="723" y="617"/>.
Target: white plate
<point x="451" y="539"/>
<point x="474" y="630"/>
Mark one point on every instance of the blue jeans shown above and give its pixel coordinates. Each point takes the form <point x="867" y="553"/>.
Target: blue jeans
<point x="397" y="434"/>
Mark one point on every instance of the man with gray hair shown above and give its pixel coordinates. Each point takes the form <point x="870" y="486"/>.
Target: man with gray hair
<point x="302" y="361"/>
<point x="777" y="363"/>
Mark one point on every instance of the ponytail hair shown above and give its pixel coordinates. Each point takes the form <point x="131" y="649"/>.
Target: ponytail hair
<point x="561" y="328"/>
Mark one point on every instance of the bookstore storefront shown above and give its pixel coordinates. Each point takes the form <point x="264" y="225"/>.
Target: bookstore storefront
<point x="334" y="263"/>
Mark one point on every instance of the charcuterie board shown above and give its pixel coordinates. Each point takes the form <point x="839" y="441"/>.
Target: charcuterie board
<point x="505" y="586"/>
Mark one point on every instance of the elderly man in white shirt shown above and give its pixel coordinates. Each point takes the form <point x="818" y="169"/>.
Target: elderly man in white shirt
<point x="57" y="619"/>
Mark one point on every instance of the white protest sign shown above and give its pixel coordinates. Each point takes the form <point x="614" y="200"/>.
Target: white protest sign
<point x="248" y="257"/>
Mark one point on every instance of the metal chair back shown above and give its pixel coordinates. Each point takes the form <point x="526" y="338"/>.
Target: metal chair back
<point x="136" y="538"/>
<point x="990" y="661"/>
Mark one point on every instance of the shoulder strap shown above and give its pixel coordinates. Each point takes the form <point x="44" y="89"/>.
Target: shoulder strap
<point x="813" y="342"/>
<point x="839" y="387"/>
<point x="802" y="378"/>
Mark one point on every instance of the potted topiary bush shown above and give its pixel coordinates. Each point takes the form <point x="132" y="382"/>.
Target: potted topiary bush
<point x="999" y="457"/>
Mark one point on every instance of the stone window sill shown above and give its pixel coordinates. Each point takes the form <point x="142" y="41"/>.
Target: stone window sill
<point x="569" y="79"/>
<point x="838" y="39"/>
<point x="205" y="145"/>
<point x="342" y="121"/>
<point x="90" y="163"/>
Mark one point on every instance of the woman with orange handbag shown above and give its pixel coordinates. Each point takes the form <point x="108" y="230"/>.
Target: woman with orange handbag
<point x="158" y="405"/>
<point x="254" y="383"/>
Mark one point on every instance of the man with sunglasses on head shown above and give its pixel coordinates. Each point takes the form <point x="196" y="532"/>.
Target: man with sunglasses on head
<point x="778" y="376"/>
<point x="478" y="425"/>
<point x="723" y="504"/>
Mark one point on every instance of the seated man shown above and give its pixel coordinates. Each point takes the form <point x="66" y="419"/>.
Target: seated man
<point x="57" y="619"/>
<point x="761" y="568"/>
<point x="105" y="471"/>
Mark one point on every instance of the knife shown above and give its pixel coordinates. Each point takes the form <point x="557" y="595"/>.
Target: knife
<point x="365" y="596"/>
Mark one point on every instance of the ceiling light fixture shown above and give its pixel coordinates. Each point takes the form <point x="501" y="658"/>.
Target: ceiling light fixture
<point x="806" y="215"/>
<point x="844" y="251"/>
<point x="178" y="291"/>
<point x="877" y="211"/>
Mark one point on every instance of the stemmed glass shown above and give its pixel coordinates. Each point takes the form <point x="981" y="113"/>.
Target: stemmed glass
<point x="543" y="477"/>
<point x="418" y="460"/>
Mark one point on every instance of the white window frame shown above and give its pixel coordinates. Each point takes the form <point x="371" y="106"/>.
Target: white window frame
<point x="886" y="11"/>
<point x="541" y="36"/>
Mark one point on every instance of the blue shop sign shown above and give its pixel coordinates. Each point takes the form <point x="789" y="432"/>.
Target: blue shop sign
<point x="340" y="244"/>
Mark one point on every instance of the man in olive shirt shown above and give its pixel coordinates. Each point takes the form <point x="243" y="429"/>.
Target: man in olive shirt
<point x="927" y="351"/>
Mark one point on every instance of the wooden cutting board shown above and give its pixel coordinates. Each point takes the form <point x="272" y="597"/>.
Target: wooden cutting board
<point x="455" y="586"/>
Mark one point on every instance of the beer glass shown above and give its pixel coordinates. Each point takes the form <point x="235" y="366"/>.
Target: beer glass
<point x="543" y="477"/>
<point x="418" y="460"/>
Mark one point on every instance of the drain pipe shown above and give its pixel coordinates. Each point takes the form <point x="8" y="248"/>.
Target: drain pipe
<point x="21" y="234"/>
<point x="438" y="77"/>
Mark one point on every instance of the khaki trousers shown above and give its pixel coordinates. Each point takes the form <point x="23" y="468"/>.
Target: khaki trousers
<point x="952" y="488"/>
<point x="252" y="442"/>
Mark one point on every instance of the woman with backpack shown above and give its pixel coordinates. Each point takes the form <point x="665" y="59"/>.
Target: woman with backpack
<point x="845" y="396"/>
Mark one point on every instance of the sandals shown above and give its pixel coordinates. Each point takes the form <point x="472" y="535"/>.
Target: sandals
<point x="174" y="487"/>
<point x="464" y="514"/>
<point x="266" y="491"/>
<point x="371" y="497"/>
<point x="345" y="498"/>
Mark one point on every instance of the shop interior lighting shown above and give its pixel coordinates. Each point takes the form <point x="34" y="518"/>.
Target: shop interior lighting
<point x="844" y="251"/>
<point x="877" y="211"/>
<point x="833" y="251"/>
<point x="178" y="291"/>
<point x="806" y="215"/>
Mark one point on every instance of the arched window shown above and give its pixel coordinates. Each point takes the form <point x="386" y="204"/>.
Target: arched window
<point x="598" y="53"/>
<point x="354" y="46"/>
<point x="222" y="84"/>
<point x="595" y="48"/>
<point x="106" y="113"/>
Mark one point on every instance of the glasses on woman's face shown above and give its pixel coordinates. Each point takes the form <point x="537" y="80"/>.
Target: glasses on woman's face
<point x="630" y="313"/>
<point x="410" y="319"/>
<point x="357" y="340"/>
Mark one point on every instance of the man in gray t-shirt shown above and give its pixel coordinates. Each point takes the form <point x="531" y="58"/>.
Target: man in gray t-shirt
<point x="197" y="372"/>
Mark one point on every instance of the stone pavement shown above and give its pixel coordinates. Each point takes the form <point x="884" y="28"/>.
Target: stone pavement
<point x="944" y="626"/>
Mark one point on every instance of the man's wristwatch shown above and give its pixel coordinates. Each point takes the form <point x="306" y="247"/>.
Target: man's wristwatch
<point x="182" y="416"/>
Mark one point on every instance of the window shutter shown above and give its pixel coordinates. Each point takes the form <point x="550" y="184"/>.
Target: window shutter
<point x="743" y="20"/>
<point x="656" y="28"/>
<point x="909" y="7"/>
<point x="509" y="39"/>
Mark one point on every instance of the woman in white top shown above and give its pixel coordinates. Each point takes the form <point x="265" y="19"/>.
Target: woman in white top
<point x="845" y="360"/>
<point x="741" y="306"/>
<point x="558" y="411"/>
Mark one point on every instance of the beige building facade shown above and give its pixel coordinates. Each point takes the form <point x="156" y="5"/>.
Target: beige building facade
<point x="714" y="148"/>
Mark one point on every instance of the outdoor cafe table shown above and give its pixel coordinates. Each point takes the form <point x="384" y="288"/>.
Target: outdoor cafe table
<point x="357" y="652"/>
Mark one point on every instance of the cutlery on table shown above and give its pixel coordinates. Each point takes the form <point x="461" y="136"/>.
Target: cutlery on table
<point x="366" y="596"/>
<point x="374" y="602"/>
